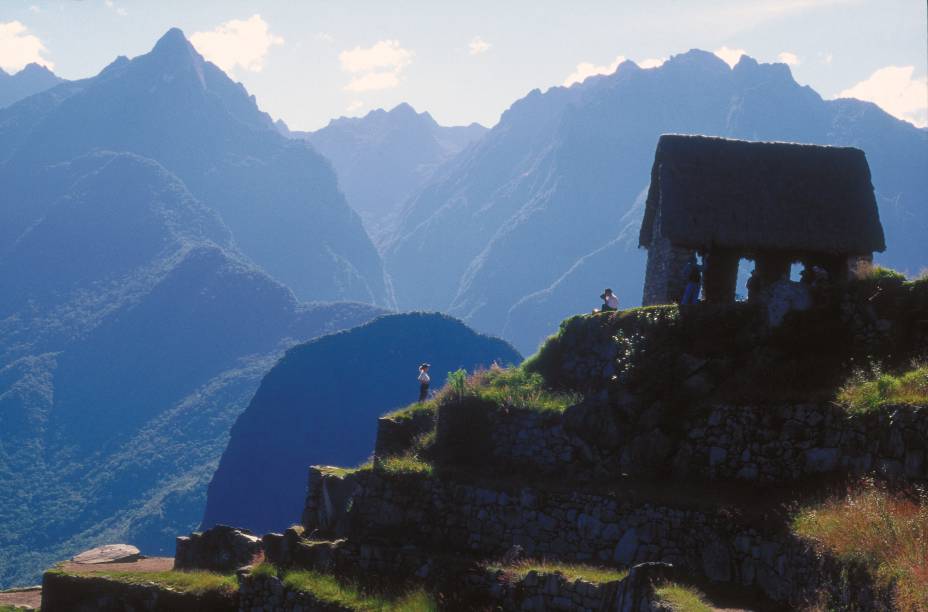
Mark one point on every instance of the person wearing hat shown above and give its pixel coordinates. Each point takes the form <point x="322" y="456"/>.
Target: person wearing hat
<point x="424" y="381"/>
<point x="610" y="301"/>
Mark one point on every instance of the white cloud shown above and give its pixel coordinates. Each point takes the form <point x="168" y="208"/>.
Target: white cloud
<point x="652" y="62"/>
<point x="110" y="4"/>
<point x="478" y="46"/>
<point x="354" y="106"/>
<point x="242" y="43"/>
<point x="18" y="47"/>
<point x="827" y="57"/>
<point x="325" y="37"/>
<point x="790" y="59"/>
<point x="730" y="56"/>
<point x="587" y="69"/>
<point x="35" y="8"/>
<point x="894" y="90"/>
<point x="376" y="67"/>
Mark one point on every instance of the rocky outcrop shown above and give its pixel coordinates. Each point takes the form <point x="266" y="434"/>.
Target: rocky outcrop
<point x="220" y="549"/>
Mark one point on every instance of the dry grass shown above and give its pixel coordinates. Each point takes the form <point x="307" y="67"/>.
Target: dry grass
<point x="887" y="532"/>
<point x="195" y="582"/>
<point x="867" y="391"/>
<point x="404" y="464"/>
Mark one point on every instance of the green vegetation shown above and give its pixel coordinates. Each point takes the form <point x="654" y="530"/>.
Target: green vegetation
<point x="404" y="464"/>
<point x="517" y="388"/>
<point x="868" y="391"/>
<point x="6" y="608"/>
<point x="682" y="598"/>
<point x="195" y="582"/>
<point x="571" y="571"/>
<point x="873" y="272"/>
<point x="264" y="570"/>
<point x="328" y="590"/>
<point x="413" y="410"/>
<point x="341" y="472"/>
<point x="887" y="533"/>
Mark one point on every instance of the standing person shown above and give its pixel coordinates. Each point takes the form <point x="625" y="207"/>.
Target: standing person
<point x="610" y="301"/>
<point x="424" y="381"/>
<point x="692" y="274"/>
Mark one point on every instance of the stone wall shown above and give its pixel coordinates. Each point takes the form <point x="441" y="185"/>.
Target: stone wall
<point x="604" y="529"/>
<point x="69" y="593"/>
<point x="268" y="593"/>
<point x="778" y="443"/>
<point x="664" y="282"/>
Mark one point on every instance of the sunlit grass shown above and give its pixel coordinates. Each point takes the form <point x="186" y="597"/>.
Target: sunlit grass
<point x="195" y="582"/>
<point x="404" y="464"/>
<point x="682" y="598"/>
<point x="517" y="388"/>
<point x="887" y="532"/>
<point x="869" y="391"/>
<point x="570" y="571"/>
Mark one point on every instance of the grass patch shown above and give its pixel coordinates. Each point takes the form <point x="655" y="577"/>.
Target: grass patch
<point x="414" y="410"/>
<point x="328" y="590"/>
<point x="195" y="582"/>
<point x="6" y="608"/>
<point x="570" y="571"/>
<point x="341" y="472"/>
<point x="868" y="391"/>
<point x="516" y="388"/>
<point x="886" y="532"/>
<point x="682" y="598"/>
<point x="264" y="570"/>
<point x="404" y="464"/>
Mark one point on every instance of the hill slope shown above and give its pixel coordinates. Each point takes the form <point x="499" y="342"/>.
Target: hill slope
<point x="319" y="404"/>
<point x="132" y="333"/>
<point x="556" y="181"/>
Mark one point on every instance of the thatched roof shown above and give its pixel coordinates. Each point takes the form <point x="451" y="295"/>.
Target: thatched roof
<point x="716" y="192"/>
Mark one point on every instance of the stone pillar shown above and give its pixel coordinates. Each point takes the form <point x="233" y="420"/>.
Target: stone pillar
<point x="772" y="267"/>
<point x="663" y="281"/>
<point x="720" y="276"/>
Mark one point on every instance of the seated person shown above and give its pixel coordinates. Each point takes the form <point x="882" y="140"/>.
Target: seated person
<point x="610" y="301"/>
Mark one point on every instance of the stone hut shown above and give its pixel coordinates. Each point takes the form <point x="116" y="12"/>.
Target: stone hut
<point x="773" y="202"/>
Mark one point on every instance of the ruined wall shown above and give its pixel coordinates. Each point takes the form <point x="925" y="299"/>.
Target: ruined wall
<point x="777" y="443"/>
<point x="601" y="528"/>
<point x="67" y="593"/>
<point x="664" y="282"/>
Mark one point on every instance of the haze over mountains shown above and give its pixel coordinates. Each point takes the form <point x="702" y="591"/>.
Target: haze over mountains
<point x="320" y="404"/>
<point x="278" y="196"/>
<point x="384" y="157"/>
<point x="133" y="329"/>
<point x="532" y="222"/>
<point x="32" y="79"/>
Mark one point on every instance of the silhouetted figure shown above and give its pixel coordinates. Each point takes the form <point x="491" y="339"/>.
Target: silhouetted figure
<point x="692" y="274"/>
<point x="424" y="381"/>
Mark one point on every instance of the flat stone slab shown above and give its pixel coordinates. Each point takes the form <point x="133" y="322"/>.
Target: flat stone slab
<point x="110" y="553"/>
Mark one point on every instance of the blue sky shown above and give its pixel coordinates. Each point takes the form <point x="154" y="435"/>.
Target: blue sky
<point x="312" y="60"/>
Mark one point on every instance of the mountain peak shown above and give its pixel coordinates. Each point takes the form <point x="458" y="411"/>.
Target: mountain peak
<point x="34" y="68"/>
<point x="174" y="45"/>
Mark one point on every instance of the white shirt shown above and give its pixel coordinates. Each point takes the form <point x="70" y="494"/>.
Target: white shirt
<point x="424" y="377"/>
<point x="612" y="301"/>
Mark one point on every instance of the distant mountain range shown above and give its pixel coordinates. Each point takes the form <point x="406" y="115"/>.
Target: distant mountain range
<point x="134" y="326"/>
<point x="383" y="158"/>
<point x="320" y="404"/>
<point x="530" y="224"/>
<point x="279" y="198"/>
<point x="30" y="80"/>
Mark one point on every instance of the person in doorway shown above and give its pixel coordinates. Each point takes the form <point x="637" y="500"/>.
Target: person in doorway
<point x="424" y="381"/>
<point x="692" y="274"/>
<point x="610" y="301"/>
<point x="753" y="286"/>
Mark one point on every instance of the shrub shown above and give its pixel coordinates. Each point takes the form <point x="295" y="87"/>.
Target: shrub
<point x="874" y="272"/>
<point x="867" y="391"/>
<point x="457" y="382"/>
<point x="404" y="465"/>
<point x="886" y="532"/>
<point x="519" y="388"/>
